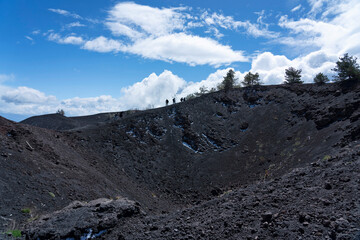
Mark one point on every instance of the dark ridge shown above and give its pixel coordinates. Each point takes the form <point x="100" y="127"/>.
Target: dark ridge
<point x="242" y="164"/>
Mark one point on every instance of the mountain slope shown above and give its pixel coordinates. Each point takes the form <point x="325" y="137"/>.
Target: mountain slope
<point x="178" y="156"/>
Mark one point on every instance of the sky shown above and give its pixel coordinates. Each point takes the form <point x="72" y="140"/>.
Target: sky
<point x="93" y="56"/>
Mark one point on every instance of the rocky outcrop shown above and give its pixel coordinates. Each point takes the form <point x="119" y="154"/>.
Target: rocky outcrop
<point x="82" y="220"/>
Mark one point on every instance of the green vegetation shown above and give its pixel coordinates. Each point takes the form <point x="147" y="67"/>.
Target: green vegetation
<point x="251" y="80"/>
<point x="320" y="79"/>
<point x="347" y="69"/>
<point x="293" y="75"/>
<point x="14" y="233"/>
<point x="228" y="82"/>
<point x="25" y="210"/>
<point x="52" y="194"/>
<point x="326" y="157"/>
<point x="61" y="112"/>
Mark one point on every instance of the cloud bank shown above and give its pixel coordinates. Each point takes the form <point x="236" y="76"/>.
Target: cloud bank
<point x="327" y="31"/>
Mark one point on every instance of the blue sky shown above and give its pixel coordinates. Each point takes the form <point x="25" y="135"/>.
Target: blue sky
<point x="96" y="56"/>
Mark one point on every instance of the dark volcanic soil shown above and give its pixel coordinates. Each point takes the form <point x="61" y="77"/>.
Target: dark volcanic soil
<point x="220" y="166"/>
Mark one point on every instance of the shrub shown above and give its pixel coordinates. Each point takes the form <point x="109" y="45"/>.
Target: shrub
<point x="251" y="80"/>
<point x="25" y="210"/>
<point x="14" y="233"/>
<point x="61" y="112"/>
<point x="320" y="79"/>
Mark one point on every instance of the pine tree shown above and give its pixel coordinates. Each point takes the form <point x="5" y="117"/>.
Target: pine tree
<point x="228" y="82"/>
<point x="251" y="80"/>
<point x="320" y="78"/>
<point x="347" y="69"/>
<point x="292" y="76"/>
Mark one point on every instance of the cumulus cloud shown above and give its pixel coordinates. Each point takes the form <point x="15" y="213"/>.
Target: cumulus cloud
<point x="185" y="48"/>
<point x="153" y="90"/>
<point x="162" y="34"/>
<point x="25" y="95"/>
<point x="272" y="67"/>
<point x="337" y="30"/>
<point x="151" y="20"/>
<point x="25" y="100"/>
<point x="102" y="44"/>
<point x="212" y="81"/>
<point x="330" y="29"/>
<point x="92" y="105"/>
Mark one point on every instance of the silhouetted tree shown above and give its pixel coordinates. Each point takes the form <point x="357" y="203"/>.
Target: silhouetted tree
<point x="228" y="82"/>
<point x="251" y="80"/>
<point x="320" y="78"/>
<point x="61" y="112"/>
<point x="203" y="90"/>
<point x="292" y="76"/>
<point x="347" y="69"/>
<point x="167" y="102"/>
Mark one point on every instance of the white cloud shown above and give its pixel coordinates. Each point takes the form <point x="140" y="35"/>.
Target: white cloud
<point x="161" y="34"/>
<point x="35" y="32"/>
<point x="65" y="13"/>
<point x="102" y="44"/>
<point x="258" y="29"/>
<point x="119" y="29"/>
<point x="335" y="35"/>
<point x="153" y="21"/>
<point x="29" y="38"/>
<point x="212" y="81"/>
<point x="296" y="8"/>
<point x="185" y="48"/>
<point x="75" y="24"/>
<point x="272" y="67"/>
<point x="65" y="40"/>
<point x="6" y="77"/>
<point x="25" y="95"/>
<point x="72" y="40"/>
<point x="92" y="105"/>
<point x="153" y="90"/>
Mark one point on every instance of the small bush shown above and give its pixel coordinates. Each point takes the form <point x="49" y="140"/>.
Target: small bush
<point x="25" y="210"/>
<point x="52" y="194"/>
<point x="14" y="233"/>
<point x="320" y="79"/>
<point x="61" y="112"/>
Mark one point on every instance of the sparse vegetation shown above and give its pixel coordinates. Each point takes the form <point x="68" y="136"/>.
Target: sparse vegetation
<point x="321" y="78"/>
<point x="14" y="233"/>
<point x="61" y="112"/>
<point x="251" y="79"/>
<point x="293" y="76"/>
<point x="202" y="90"/>
<point x="25" y="210"/>
<point x="228" y="82"/>
<point x="347" y="69"/>
<point x="52" y="194"/>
